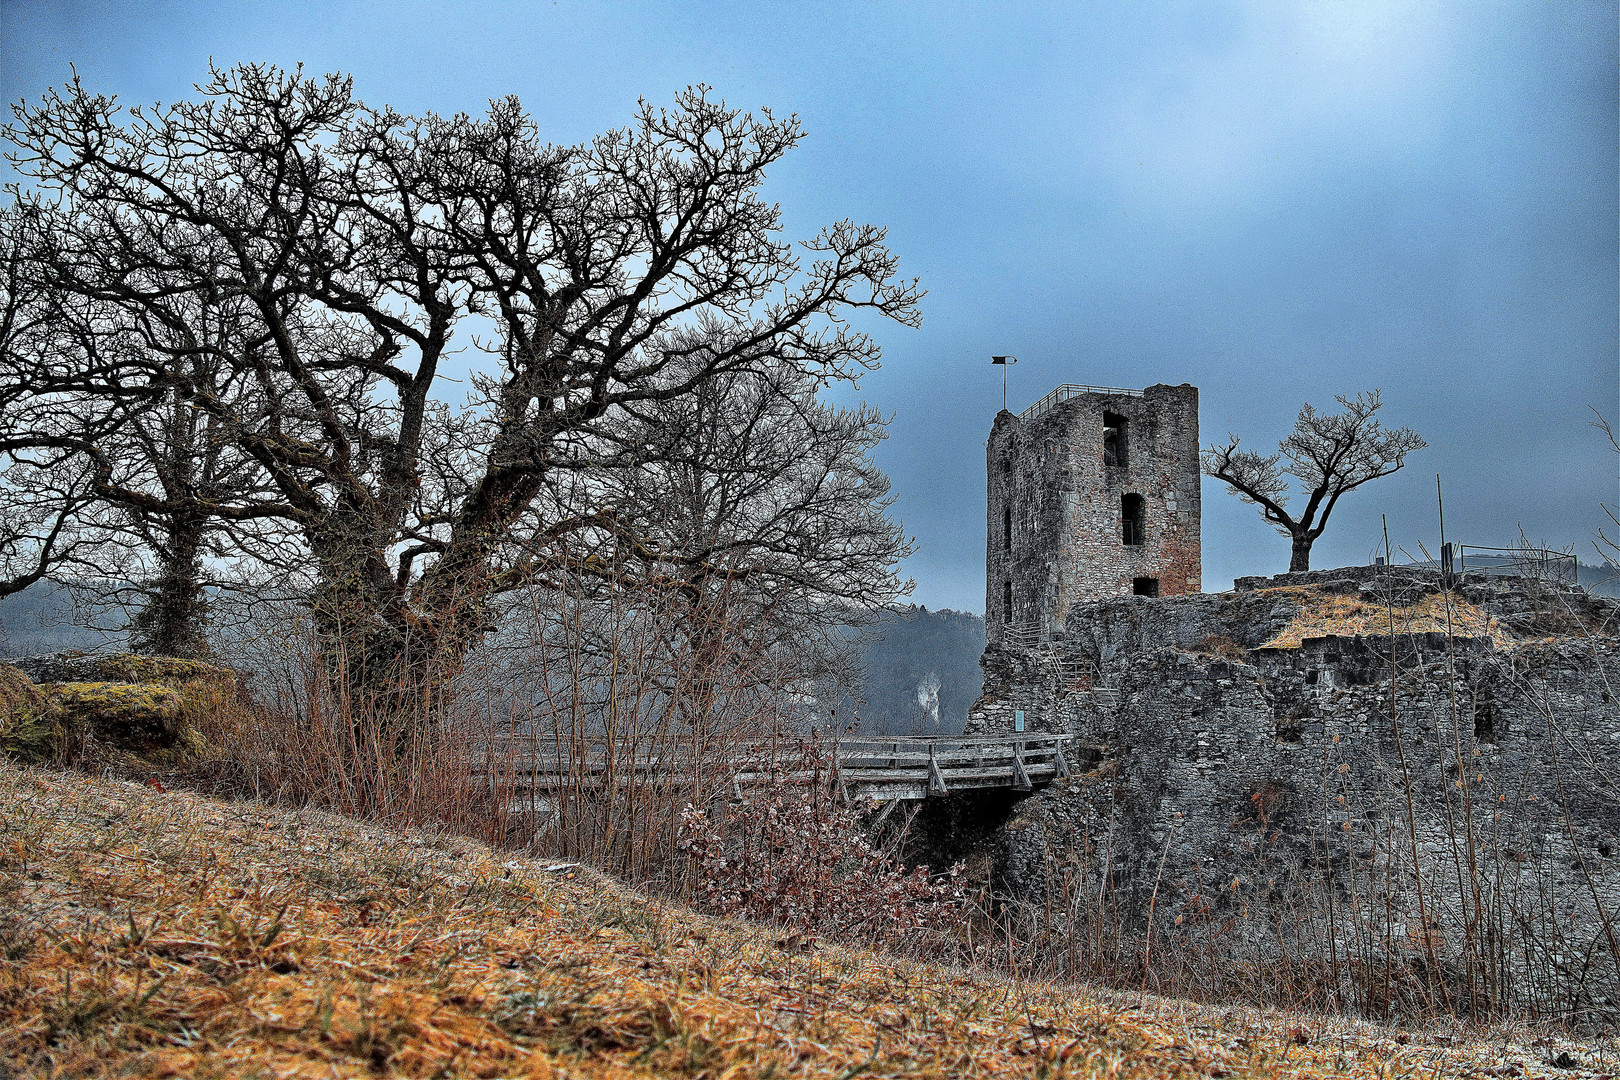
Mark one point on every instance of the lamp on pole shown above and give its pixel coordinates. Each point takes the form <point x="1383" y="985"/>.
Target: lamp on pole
<point x="1005" y="362"/>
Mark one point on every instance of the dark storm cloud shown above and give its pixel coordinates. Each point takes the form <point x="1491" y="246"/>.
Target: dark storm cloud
<point x="1277" y="202"/>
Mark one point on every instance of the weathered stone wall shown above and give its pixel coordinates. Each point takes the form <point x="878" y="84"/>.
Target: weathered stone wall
<point x="1054" y="526"/>
<point x="1219" y="774"/>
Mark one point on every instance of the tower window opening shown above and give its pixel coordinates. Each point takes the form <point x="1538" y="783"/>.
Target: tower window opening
<point x="1115" y="448"/>
<point x="1006" y="601"/>
<point x="1006" y="528"/>
<point x="1133" y="523"/>
<point x="1145" y="586"/>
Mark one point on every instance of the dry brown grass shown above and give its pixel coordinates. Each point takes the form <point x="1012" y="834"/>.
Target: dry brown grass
<point x="1350" y="616"/>
<point x="153" y="934"/>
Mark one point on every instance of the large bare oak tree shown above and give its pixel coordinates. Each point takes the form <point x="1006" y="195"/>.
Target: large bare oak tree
<point x="364" y="247"/>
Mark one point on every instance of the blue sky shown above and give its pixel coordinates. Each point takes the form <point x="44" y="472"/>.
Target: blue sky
<point x="1277" y="202"/>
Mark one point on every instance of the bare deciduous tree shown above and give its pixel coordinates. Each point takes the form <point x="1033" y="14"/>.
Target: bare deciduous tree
<point x="46" y="497"/>
<point x="142" y="481"/>
<point x="762" y="512"/>
<point x="636" y="269"/>
<point x="1331" y="454"/>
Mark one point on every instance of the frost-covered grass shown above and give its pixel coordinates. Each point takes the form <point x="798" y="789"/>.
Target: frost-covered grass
<point x="145" y="933"/>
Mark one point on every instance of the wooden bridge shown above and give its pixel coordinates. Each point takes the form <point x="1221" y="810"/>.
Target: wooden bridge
<point x="887" y="769"/>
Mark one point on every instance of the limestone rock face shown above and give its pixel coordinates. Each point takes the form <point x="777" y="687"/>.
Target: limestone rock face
<point x="1274" y="749"/>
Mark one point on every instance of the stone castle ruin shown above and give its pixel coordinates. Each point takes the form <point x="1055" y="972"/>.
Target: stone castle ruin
<point x="1092" y="492"/>
<point x="1432" y="759"/>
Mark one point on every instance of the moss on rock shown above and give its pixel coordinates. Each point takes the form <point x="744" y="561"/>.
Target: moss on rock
<point x="205" y="691"/>
<point x="139" y="717"/>
<point x="167" y="670"/>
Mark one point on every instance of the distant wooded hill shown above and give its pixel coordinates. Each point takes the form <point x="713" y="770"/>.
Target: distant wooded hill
<point x="40" y="620"/>
<point x="908" y="646"/>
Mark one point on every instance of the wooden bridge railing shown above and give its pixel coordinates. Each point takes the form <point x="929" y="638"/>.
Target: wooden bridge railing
<point x="894" y="767"/>
<point x="918" y="766"/>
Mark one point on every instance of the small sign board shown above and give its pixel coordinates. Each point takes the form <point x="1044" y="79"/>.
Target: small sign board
<point x="1018" y="719"/>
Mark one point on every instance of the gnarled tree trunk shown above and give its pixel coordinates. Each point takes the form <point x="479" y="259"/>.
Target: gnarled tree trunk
<point x="1301" y="557"/>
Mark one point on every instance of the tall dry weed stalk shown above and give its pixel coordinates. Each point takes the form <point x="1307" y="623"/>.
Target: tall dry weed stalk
<point x="298" y="736"/>
<point x="628" y="705"/>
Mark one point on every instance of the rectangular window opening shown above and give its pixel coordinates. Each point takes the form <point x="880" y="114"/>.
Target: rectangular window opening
<point x="1006" y="529"/>
<point x="1116" y="449"/>
<point x="1145" y="586"/>
<point x="1133" y="524"/>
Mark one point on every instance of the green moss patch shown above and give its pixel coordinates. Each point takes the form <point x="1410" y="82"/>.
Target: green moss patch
<point x="130" y="716"/>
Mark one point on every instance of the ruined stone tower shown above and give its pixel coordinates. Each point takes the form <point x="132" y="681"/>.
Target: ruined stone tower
<point x="1092" y="493"/>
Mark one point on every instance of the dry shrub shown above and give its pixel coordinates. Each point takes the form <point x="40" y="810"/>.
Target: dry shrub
<point x="627" y="706"/>
<point x="791" y="854"/>
<point x="579" y="730"/>
<point x="25" y="729"/>
<point x="304" y="741"/>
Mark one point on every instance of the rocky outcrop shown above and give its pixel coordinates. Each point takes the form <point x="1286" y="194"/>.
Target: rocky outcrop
<point x="1269" y="750"/>
<point x="82" y="707"/>
<point x="137" y="717"/>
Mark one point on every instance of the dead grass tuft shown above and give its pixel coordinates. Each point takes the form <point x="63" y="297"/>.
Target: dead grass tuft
<point x="152" y="934"/>
<point x="1222" y="647"/>
<point x="1351" y="616"/>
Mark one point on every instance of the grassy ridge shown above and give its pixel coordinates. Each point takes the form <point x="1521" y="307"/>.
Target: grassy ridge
<point x="162" y="934"/>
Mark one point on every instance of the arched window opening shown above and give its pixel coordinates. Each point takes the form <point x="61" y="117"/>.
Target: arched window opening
<point x="1133" y="520"/>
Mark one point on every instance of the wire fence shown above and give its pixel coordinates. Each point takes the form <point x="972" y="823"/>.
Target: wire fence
<point x="1540" y="564"/>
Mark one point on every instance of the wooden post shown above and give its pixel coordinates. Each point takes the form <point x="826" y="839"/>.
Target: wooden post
<point x="1020" y="776"/>
<point x="1061" y="761"/>
<point x="888" y="808"/>
<point x="936" y="781"/>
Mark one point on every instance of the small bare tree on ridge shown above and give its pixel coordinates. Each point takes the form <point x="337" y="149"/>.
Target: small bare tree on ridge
<point x="1332" y="454"/>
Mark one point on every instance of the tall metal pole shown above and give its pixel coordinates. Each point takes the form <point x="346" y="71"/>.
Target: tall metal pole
<point x="1445" y="552"/>
<point x="1005" y="362"/>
